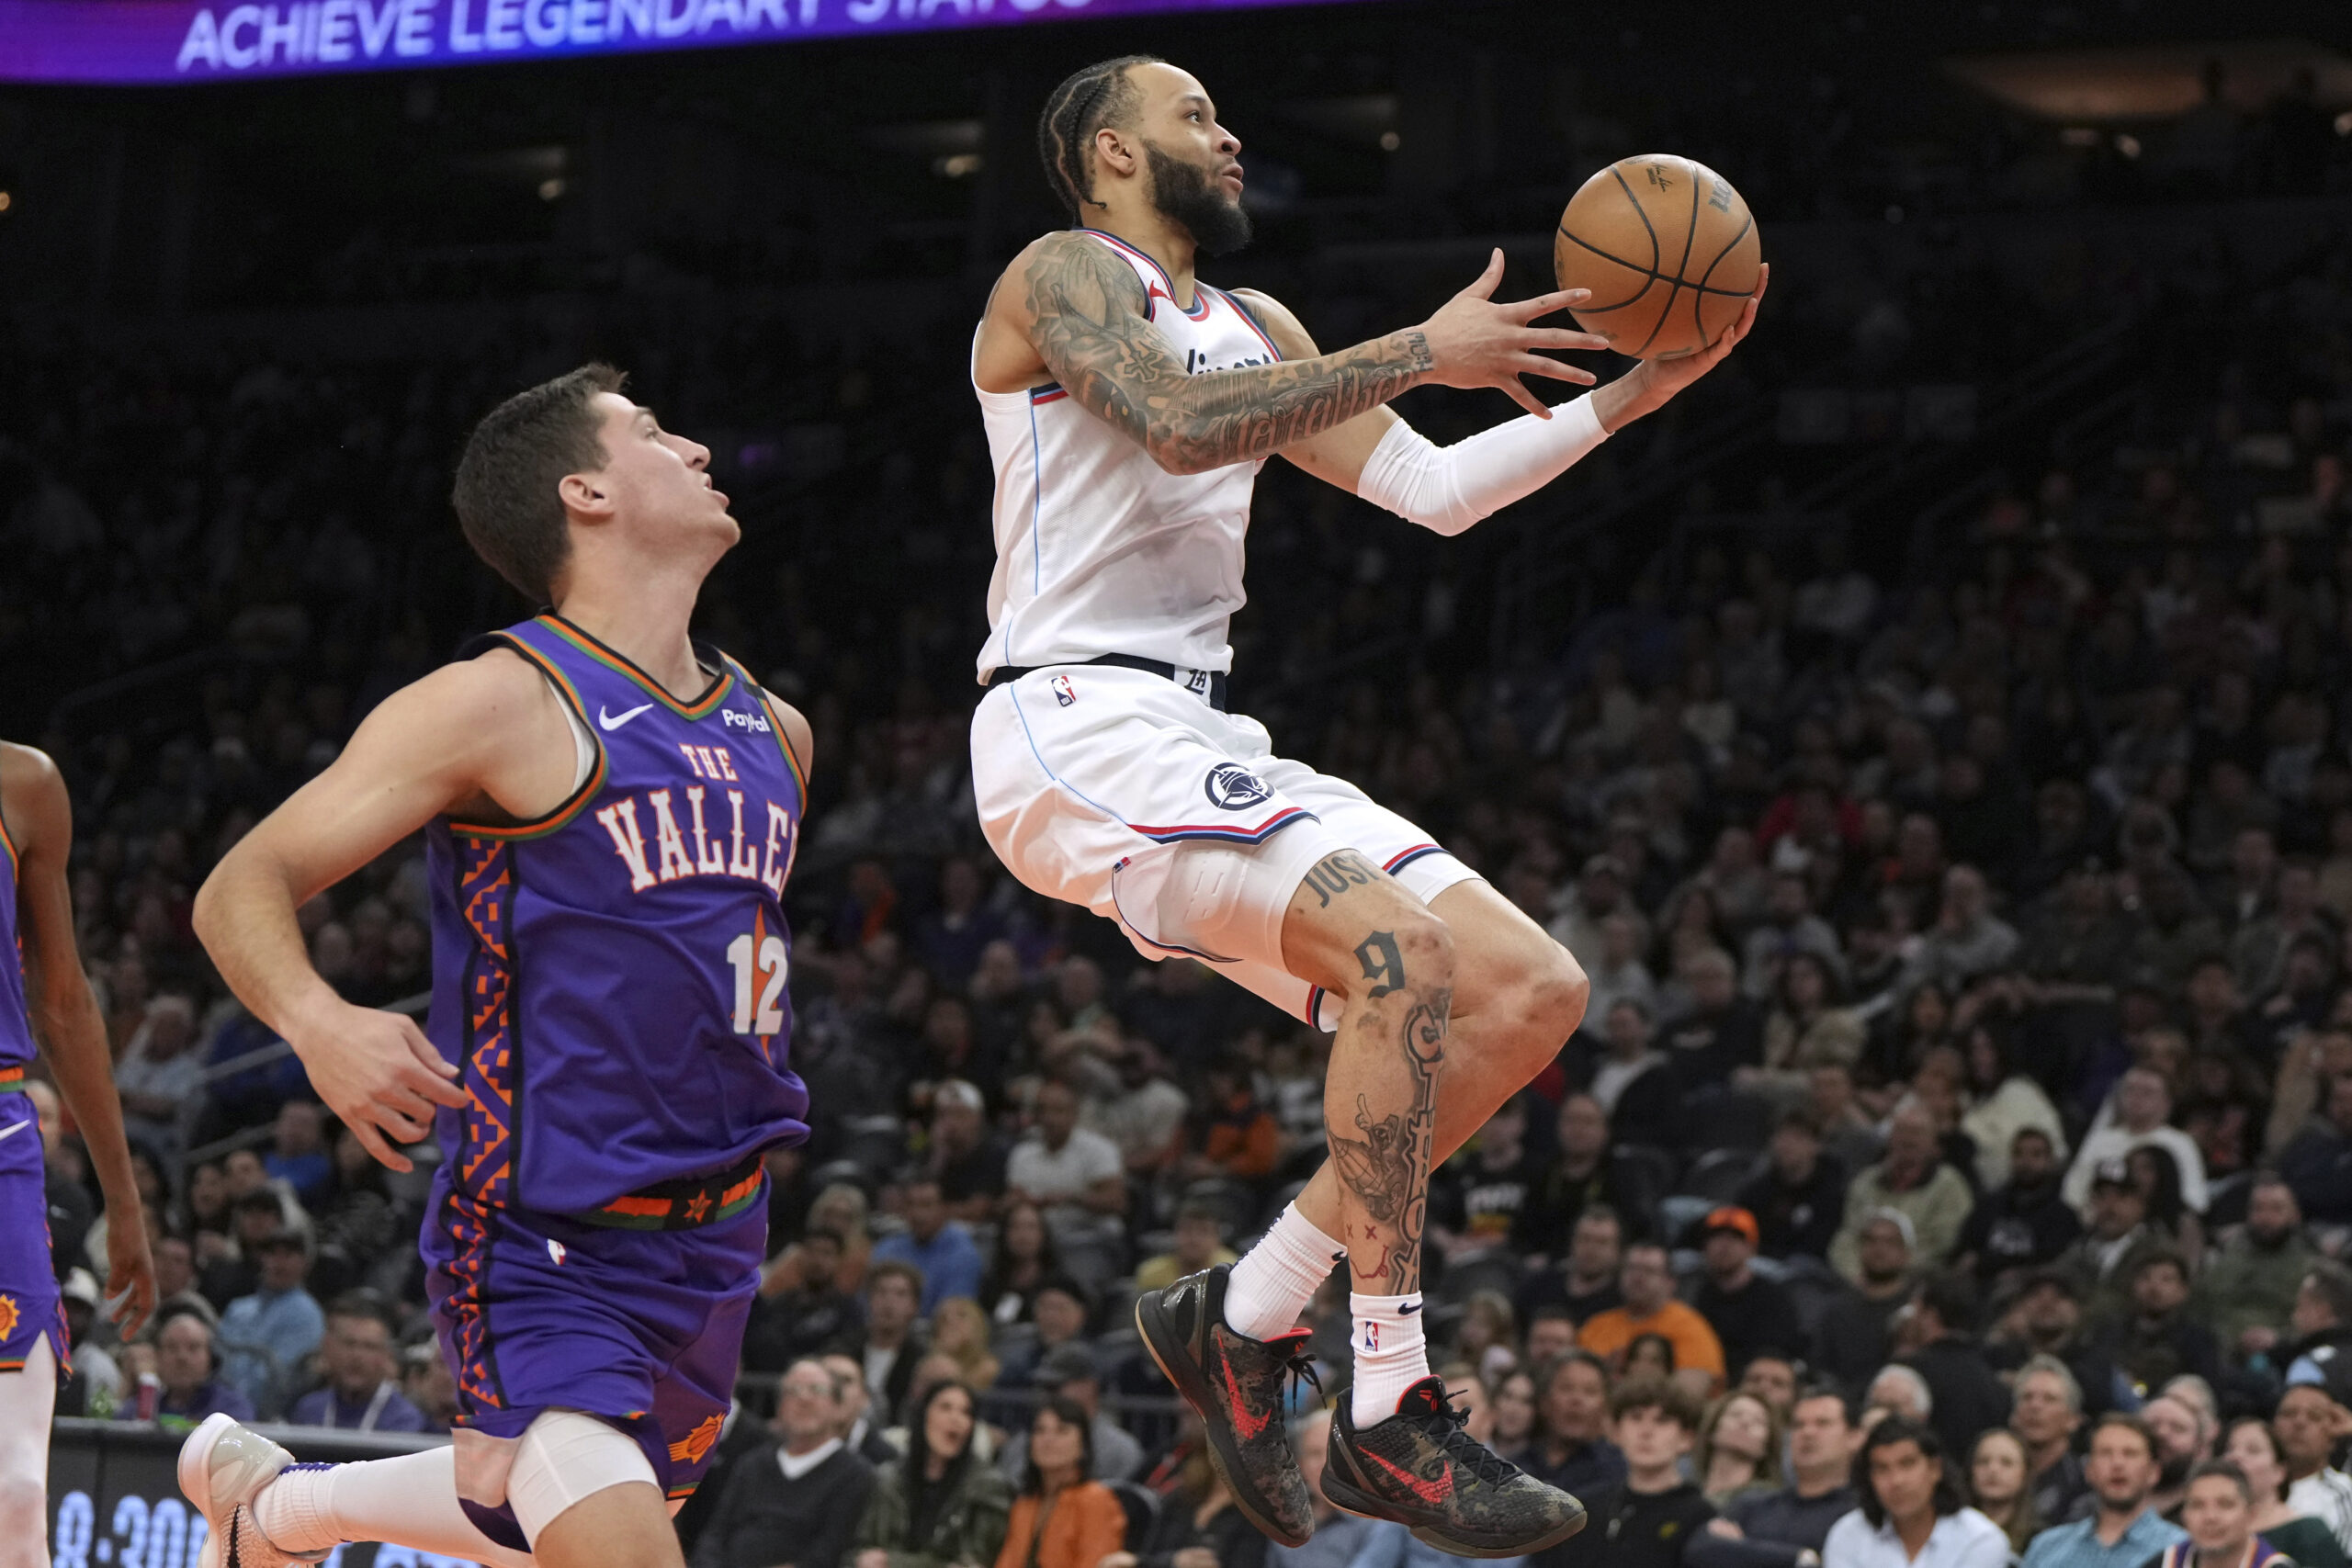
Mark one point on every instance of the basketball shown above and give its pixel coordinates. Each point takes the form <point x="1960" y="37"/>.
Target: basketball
<point x="1668" y="250"/>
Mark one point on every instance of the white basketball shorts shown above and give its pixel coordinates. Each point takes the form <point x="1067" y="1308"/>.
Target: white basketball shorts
<point x="1123" y="792"/>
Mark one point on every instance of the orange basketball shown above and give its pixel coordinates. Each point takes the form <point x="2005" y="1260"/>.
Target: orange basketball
<point x="1668" y="250"/>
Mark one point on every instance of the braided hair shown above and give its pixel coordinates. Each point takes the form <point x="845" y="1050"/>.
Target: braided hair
<point x="1099" y="95"/>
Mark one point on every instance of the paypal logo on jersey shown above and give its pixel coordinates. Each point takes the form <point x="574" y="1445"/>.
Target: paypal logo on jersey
<point x="751" y="721"/>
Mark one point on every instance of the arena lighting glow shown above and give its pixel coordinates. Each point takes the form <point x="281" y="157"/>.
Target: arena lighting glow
<point x="134" y="42"/>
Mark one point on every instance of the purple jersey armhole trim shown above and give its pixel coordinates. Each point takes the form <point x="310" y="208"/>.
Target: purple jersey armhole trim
<point x="791" y="763"/>
<point x="574" y="804"/>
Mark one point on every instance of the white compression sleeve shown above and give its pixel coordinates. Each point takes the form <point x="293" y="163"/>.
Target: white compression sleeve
<point x="1449" y="488"/>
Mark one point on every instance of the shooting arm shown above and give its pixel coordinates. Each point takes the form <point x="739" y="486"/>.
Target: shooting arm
<point x="1088" y="322"/>
<point x="1386" y="461"/>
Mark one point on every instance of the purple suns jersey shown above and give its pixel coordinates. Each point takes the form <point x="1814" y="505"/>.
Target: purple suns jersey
<point x="610" y="978"/>
<point x="17" y="1049"/>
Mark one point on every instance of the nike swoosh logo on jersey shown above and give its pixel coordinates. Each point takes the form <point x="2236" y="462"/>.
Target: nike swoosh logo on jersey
<point x="12" y="1132"/>
<point x="606" y="720"/>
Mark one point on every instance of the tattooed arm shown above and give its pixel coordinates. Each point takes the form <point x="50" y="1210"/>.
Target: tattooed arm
<point x="1087" y="318"/>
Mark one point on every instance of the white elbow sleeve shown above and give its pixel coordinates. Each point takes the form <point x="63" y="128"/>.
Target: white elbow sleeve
<point x="1449" y="488"/>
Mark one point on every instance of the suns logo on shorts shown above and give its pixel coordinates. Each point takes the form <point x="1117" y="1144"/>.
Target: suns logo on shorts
<point x="692" y="1447"/>
<point x="1232" y="787"/>
<point x="8" y="1316"/>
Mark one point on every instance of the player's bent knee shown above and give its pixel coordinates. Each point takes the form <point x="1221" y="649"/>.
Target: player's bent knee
<point x="1557" y="991"/>
<point x="566" y="1458"/>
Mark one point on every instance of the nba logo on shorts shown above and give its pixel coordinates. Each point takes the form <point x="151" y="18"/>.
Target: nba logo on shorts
<point x="1232" y="787"/>
<point x="1065" y="691"/>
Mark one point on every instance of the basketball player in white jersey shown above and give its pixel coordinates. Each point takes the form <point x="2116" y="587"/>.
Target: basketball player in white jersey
<point x="1128" y="408"/>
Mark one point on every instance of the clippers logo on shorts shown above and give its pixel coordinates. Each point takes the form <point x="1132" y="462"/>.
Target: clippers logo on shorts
<point x="1064" y="690"/>
<point x="1232" y="787"/>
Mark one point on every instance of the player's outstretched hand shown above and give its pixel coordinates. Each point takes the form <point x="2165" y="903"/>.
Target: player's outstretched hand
<point x="379" y="1074"/>
<point x="1474" y="342"/>
<point x="1668" y="377"/>
<point x="130" y="1270"/>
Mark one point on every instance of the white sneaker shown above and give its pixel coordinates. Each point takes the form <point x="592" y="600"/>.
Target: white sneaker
<point x="223" y="1467"/>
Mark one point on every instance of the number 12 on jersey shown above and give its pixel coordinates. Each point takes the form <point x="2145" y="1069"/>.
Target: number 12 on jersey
<point x="760" y="965"/>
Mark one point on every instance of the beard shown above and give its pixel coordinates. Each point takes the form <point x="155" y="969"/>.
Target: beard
<point x="1184" y="194"/>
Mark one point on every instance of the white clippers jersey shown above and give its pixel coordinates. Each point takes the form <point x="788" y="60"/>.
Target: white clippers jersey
<point x="1099" y="550"/>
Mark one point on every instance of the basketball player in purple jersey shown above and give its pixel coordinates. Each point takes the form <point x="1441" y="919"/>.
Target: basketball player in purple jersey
<point x="610" y="812"/>
<point x="1128" y="408"/>
<point x="47" y="1000"/>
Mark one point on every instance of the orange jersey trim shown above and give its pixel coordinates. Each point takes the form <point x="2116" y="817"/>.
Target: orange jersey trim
<point x="620" y="665"/>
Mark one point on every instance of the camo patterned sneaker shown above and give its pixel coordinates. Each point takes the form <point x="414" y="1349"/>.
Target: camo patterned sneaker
<point x="1420" y="1469"/>
<point x="222" y="1469"/>
<point x="1236" y="1384"/>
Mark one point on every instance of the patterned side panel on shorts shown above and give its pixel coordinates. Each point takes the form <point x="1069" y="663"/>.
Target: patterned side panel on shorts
<point x="467" y="1225"/>
<point x="486" y="895"/>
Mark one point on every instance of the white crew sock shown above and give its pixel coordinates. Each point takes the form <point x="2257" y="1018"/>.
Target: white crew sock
<point x="1270" y="1287"/>
<point x="410" y="1501"/>
<point x="1392" y="1353"/>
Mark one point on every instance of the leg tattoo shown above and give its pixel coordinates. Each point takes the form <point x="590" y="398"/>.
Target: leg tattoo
<point x="1387" y="1166"/>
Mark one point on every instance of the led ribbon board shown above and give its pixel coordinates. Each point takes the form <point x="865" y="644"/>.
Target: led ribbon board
<point x="135" y="42"/>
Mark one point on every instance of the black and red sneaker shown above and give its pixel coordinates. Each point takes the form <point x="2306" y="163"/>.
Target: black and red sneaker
<point x="1237" y="1385"/>
<point x="1420" y="1469"/>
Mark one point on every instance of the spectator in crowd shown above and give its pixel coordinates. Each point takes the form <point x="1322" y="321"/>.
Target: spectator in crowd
<point x="1573" y="1451"/>
<point x="189" y="1368"/>
<point x="1583" y="1284"/>
<point x="1798" y="1196"/>
<point x="297" y="1152"/>
<point x="2219" y="1513"/>
<point x="1070" y="1376"/>
<point x="1738" y="1453"/>
<point x="2320" y="1350"/>
<point x="1913" y="1181"/>
<point x="2107" y="1259"/>
<point x="2181" y="1435"/>
<point x="2160" y="1338"/>
<point x="940" y="1506"/>
<point x="965" y="1156"/>
<point x="959" y="1331"/>
<point x="160" y="1075"/>
<point x="1477" y="1198"/>
<point x="2046" y="1412"/>
<point x="1026" y="1257"/>
<point x="1515" y="1417"/>
<point x="1771" y="1375"/>
<point x="854" y="1407"/>
<point x="176" y="1277"/>
<point x="2317" y="1163"/>
<point x="1199" y="1244"/>
<point x="2123" y="1470"/>
<point x="356" y="1359"/>
<point x="1900" y="1390"/>
<point x="1967" y="1398"/>
<point x="2142" y="1109"/>
<point x="938" y="1248"/>
<point x="2027" y="1223"/>
<point x="1198" y="1527"/>
<point x="1909" y="1507"/>
<point x="1650" y="1519"/>
<point x="1775" y="1530"/>
<point x="2309" y="1424"/>
<point x="1234" y="1136"/>
<point x="2006" y="1103"/>
<point x="1061" y="1311"/>
<point x="797" y="1498"/>
<point x="1997" y="1489"/>
<point x="1338" y="1537"/>
<point x="1063" y="1517"/>
<point x="270" y="1335"/>
<point x="1636" y="1085"/>
<point x="1747" y="1311"/>
<point x="1075" y="1176"/>
<point x="427" y="1384"/>
<point x="2250" y="1286"/>
<point x="894" y="1340"/>
<point x="806" y="1318"/>
<point x="2254" y="1448"/>
<point x="1854" y="1335"/>
<point x="1586" y="1172"/>
<point x="1647" y="1281"/>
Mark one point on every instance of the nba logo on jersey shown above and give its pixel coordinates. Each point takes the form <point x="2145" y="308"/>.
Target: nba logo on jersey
<point x="1064" y="690"/>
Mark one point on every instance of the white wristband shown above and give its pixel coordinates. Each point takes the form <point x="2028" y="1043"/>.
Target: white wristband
<point x="1449" y="488"/>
